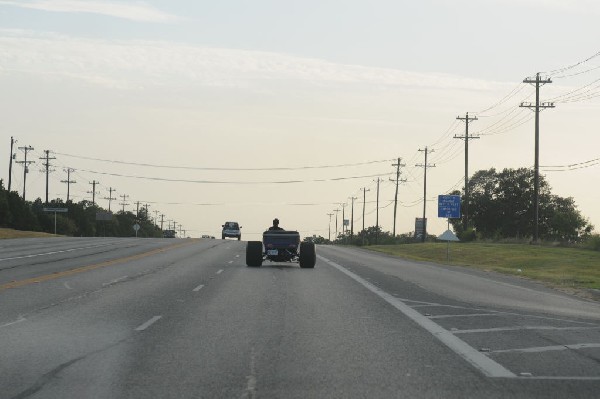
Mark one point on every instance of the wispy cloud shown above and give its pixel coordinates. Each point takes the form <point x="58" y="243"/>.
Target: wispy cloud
<point x="131" y="64"/>
<point x="137" y="11"/>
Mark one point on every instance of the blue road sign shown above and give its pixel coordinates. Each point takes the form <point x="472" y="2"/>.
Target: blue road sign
<point x="449" y="206"/>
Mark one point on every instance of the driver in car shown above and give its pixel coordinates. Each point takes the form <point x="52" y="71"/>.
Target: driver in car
<point x="275" y="225"/>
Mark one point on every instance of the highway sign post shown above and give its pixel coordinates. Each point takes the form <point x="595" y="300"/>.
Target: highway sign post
<point x="56" y="210"/>
<point x="449" y="208"/>
<point x="136" y="227"/>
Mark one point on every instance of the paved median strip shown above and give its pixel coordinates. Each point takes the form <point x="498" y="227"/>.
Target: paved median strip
<point x="70" y="272"/>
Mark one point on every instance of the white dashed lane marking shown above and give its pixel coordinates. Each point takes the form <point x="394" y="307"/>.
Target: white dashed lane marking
<point x="220" y="271"/>
<point x="148" y="323"/>
<point x="198" y="288"/>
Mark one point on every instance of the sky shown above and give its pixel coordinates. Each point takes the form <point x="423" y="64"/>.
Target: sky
<point x="249" y="110"/>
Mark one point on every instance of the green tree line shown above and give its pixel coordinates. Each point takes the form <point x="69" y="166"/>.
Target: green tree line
<point x="78" y="221"/>
<point x="500" y="208"/>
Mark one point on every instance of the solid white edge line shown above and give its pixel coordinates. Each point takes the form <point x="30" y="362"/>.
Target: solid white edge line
<point x="447" y="316"/>
<point x="198" y="288"/>
<point x="19" y="320"/>
<point x="480" y="361"/>
<point x="148" y="323"/>
<point x="220" y="271"/>
<point x="55" y="252"/>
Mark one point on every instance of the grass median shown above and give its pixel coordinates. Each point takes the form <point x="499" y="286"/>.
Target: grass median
<point x="559" y="267"/>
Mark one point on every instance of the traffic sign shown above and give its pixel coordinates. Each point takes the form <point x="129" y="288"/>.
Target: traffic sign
<point x="449" y="206"/>
<point x="136" y="227"/>
<point x="56" y="210"/>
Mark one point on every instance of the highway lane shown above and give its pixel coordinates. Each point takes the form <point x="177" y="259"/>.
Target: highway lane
<point x="194" y="321"/>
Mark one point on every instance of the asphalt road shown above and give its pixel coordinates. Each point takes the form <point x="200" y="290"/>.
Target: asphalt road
<point x="160" y="318"/>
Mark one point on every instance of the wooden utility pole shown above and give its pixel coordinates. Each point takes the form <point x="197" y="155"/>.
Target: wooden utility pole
<point x="398" y="165"/>
<point x="26" y="164"/>
<point x="12" y="157"/>
<point x="110" y="197"/>
<point x="466" y="137"/>
<point x="124" y="197"/>
<point x="425" y="166"/>
<point x="352" y="218"/>
<point x="93" y="192"/>
<point x="377" y="214"/>
<point x="536" y="178"/>
<point x="47" y="166"/>
<point x="68" y="181"/>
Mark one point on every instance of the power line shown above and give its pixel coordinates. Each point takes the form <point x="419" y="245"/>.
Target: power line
<point x="149" y="165"/>
<point x="229" y="182"/>
<point x="570" y="167"/>
<point x="559" y="70"/>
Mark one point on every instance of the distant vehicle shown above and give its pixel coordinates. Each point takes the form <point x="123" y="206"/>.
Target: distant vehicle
<point x="231" y="230"/>
<point x="281" y="246"/>
<point x="169" y="233"/>
<point x="205" y="236"/>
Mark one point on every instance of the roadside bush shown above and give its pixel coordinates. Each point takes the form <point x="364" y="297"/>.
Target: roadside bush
<point x="593" y="242"/>
<point x="468" y="235"/>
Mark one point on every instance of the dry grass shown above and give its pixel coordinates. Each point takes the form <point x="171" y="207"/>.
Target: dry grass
<point x="560" y="267"/>
<point x="10" y="233"/>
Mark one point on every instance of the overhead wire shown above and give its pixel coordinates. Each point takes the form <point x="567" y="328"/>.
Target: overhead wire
<point x="225" y="169"/>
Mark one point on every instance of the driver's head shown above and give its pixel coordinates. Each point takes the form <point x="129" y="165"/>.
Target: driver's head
<point x="275" y="222"/>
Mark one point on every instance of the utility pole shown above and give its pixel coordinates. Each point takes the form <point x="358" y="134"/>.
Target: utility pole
<point x="124" y="196"/>
<point x="162" y="220"/>
<point x="377" y="213"/>
<point x="330" y="215"/>
<point x="398" y="181"/>
<point x="466" y="137"/>
<point x="344" y="205"/>
<point x="364" y="190"/>
<point x="536" y="179"/>
<point x="425" y="166"/>
<point x="110" y="197"/>
<point x="93" y="192"/>
<point x="336" y="222"/>
<point x="25" y="163"/>
<point x="364" y="233"/>
<point x="47" y="166"/>
<point x="352" y="218"/>
<point x="12" y="157"/>
<point x="137" y="209"/>
<point x="146" y="208"/>
<point x="156" y="212"/>
<point x="68" y="181"/>
<point x="174" y="225"/>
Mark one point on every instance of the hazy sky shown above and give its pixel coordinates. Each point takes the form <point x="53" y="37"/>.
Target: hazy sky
<point x="213" y="96"/>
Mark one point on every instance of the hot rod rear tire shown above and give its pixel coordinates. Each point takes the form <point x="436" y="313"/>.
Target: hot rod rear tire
<point x="254" y="254"/>
<point x="308" y="255"/>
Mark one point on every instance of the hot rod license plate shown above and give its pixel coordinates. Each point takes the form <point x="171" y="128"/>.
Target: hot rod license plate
<point x="272" y="252"/>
